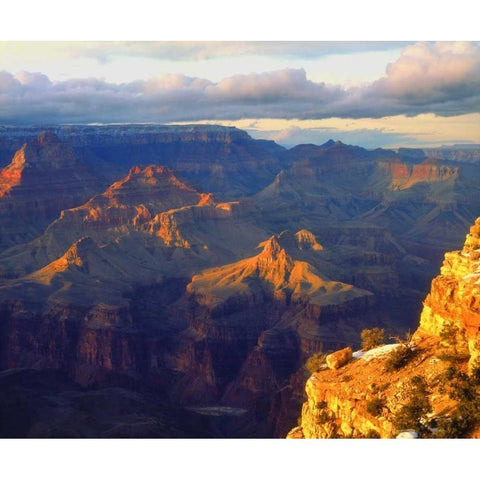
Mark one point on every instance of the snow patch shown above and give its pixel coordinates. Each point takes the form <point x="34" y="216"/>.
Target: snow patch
<point x="408" y="434"/>
<point x="376" y="352"/>
<point x="471" y="275"/>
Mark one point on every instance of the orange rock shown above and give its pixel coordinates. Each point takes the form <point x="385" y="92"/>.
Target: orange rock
<point x="454" y="297"/>
<point x="339" y="358"/>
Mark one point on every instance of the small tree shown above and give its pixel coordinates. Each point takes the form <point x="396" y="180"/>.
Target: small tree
<point x="411" y="414"/>
<point x="315" y="362"/>
<point x="372" y="337"/>
<point x="398" y="358"/>
<point x="475" y="373"/>
<point x="466" y="416"/>
<point x="375" y="406"/>
<point x="449" y="336"/>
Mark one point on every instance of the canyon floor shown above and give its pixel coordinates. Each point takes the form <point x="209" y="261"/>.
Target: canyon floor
<point x="172" y="281"/>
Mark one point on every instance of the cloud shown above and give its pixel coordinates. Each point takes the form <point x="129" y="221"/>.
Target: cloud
<point x="434" y="71"/>
<point x="441" y="78"/>
<point x="444" y="77"/>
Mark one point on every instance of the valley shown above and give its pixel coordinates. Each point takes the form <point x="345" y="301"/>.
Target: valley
<point x="188" y="272"/>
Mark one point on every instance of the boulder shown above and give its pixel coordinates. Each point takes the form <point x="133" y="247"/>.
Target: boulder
<point x="339" y="358"/>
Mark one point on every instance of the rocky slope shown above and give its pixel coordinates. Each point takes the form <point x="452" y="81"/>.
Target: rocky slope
<point x="371" y="395"/>
<point x="222" y="160"/>
<point x="275" y="274"/>
<point x="345" y="183"/>
<point x="43" y="178"/>
<point x="214" y="305"/>
<point x="256" y="320"/>
<point x="157" y="221"/>
<point x="454" y="298"/>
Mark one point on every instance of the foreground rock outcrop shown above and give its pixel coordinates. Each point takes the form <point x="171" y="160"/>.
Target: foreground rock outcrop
<point x="372" y="395"/>
<point x="454" y="298"/>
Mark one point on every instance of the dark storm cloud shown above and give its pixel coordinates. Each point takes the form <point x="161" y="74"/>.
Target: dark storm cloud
<point x="427" y="78"/>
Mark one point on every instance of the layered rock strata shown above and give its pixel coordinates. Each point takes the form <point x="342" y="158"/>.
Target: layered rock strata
<point x="338" y="401"/>
<point x="454" y="298"/>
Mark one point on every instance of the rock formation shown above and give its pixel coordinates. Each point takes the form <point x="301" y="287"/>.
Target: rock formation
<point x="454" y="298"/>
<point x="339" y="358"/>
<point x="222" y="160"/>
<point x="210" y="300"/>
<point x="43" y="178"/>
<point x="364" y="397"/>
<point x="148" y="211"/>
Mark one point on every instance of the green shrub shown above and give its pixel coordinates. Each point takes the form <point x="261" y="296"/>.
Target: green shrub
<point x="398" y="358"/>
<point x="452" y="345"/>
<point x="323" y="417"/>
<point x="455" y="426"/>
<point x="475" y="375"/>
<point x="466" y="417"/>
<point x="411" y="414"/>
<point x="315" y="362"/>
<point x="375" y="406"/>
<point x="372" y="337"/>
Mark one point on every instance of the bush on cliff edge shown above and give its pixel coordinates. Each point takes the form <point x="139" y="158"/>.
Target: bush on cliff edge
<point x="372" y="337"/>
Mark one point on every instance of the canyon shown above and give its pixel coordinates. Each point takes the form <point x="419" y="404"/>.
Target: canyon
<point x="366" y="396"/>
<point x="184" y="274"/>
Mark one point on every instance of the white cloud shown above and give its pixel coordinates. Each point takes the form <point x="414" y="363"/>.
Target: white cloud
<point x="442" y="78"/>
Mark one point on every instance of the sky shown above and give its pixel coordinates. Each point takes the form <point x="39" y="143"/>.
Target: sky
<point x="373" y="94"/>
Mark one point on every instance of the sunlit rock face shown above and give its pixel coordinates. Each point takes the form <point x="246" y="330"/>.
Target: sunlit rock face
<point x="206" y="295"/>
<point x="337" y="401"/>
<point x="43" y="178"/>
<point x="222" y="160"/>
<point x="454" y="298"/>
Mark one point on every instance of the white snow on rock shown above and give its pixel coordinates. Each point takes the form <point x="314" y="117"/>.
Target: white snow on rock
<point x="471" y="275"/>
<point x="408" y="434"/>
<point x="376" y="352"/>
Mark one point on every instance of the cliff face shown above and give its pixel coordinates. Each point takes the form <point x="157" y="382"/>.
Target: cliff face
<point x="363" y="399"/>
<point x="152" y="217"/>
<point x="222" y="160"/>
<point x="269" y="311"/>
<point x="404" y="175"/>
<point x="212" y="302"/>
<point x="43" y="178"/>
<point x="454" y="298"/>
<point x="341" y="403"/>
